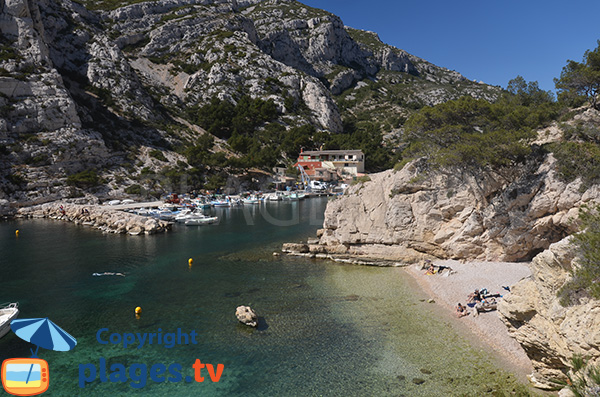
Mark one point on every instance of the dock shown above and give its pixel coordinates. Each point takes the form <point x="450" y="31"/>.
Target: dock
<point x="132" y="206"/>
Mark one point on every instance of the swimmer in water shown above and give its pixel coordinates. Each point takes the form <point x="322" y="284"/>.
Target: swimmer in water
<point x="108" y="274"/>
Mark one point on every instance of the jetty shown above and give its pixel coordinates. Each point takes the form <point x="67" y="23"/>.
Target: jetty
<point x="106" y="218"/>
<point x="133" y="206"/>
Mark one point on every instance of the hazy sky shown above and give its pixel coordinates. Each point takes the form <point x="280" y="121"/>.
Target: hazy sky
<point x="485" y="40"/>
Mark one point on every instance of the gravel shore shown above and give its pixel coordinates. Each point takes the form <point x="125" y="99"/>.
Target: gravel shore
<point x="450" y="288"/>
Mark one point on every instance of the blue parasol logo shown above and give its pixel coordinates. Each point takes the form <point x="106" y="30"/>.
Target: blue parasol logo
<point x="43" y="333"/>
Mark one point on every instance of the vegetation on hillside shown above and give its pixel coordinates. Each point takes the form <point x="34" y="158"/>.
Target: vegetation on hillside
<point x="578" y="154"/>
<point x="475" y="133"/>
<point x="585" y="279"/>
<point x="251" y="129"/>
<point x="583" y="378"/>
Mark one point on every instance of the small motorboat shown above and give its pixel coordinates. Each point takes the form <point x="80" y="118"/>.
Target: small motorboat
<point x="183" y="215"/>
<point x="251" y="200"/>
<point x="221" y="203"/>
<point x="8" y="312"/>
<point x="199" y="221"/>
<point x="277" y="196"/>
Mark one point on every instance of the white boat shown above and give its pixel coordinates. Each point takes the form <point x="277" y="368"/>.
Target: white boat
<point x="277" y="196"/>
<point x="251" y="200"/>
<point x="221" y="203"/>
<point x="198" y="221"/>
<point x="166" y="215"/>
<point x="183" y="215"/>
<point x="8" y="312"/>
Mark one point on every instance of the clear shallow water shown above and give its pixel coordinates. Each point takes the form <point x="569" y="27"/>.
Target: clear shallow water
<point x="327" y="329"/>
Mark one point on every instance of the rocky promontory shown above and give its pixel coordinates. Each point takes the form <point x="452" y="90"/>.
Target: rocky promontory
<point x="107" y="220"/>
<point x="405" y="215"/>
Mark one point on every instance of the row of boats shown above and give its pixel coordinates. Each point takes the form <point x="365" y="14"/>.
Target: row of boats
<point x="187" y="216"/>
<point x="257" y="199"/>
<point x="191" y="213"/>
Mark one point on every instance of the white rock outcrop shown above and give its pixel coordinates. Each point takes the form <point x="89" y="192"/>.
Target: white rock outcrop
<point x="406" y="214"/>
<point x="550" y="333"/>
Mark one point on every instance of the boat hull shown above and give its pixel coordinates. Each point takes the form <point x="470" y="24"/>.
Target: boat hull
<point x="7" y="314"/>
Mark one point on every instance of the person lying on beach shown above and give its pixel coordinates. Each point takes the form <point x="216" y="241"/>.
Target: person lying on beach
<point x="461" y="311"/>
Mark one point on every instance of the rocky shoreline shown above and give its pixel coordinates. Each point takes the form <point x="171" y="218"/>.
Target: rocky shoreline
<point x="106" y="220"/>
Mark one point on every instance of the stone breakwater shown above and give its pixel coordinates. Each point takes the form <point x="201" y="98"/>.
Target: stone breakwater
<point x="107" y="220"/>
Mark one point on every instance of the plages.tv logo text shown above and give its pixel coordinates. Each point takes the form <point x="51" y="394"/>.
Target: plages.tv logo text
<point x="139" y="373"/>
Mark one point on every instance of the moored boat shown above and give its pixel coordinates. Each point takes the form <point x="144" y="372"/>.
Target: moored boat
<point x="198" y="221"/>
<point x="251" y="200"/>
<point x="8" y="312"/>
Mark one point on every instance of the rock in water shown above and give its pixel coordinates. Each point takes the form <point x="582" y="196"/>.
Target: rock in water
<point x="246" y="315"/>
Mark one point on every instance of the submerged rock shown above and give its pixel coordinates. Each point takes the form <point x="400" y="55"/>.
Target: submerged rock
<point x="246" y="315"/>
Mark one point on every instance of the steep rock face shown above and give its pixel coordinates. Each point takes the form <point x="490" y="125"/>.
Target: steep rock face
<point x="406" y="214"/>
<point x="40" y="123"/>
<point x="550" y="333"/>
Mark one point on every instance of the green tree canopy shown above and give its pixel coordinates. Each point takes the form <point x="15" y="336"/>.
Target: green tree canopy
<point x="475" y="133"/>
<point x="581" y="79"/>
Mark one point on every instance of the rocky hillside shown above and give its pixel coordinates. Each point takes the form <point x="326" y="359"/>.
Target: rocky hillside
<point x="97" y="96"/>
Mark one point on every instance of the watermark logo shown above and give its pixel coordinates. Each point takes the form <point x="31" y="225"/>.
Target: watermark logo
<point x="31" y="376"/>
<point x="25" y="376"/>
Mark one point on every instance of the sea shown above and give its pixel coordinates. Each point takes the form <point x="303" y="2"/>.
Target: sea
<point x="325" y="328"/>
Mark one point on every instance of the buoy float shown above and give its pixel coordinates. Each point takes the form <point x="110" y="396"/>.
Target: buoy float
<point x="190" y="261"/>
<point x="17" y="233"/>
<point x="138" y="310"/>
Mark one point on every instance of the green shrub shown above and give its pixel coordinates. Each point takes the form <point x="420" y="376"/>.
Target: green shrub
<point x="583" y="378"/>
<point x="84" y="179"/>
<point x="577" y="159"/>
<point x="586" y="277"/>
<point x="16" y="179"/>
<point x="134" y="189"/>
<point x="157" y="154"/>
<point x="361" y="179"/>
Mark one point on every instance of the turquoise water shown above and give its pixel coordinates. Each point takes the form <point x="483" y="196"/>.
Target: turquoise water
<point x="326" y="328"/>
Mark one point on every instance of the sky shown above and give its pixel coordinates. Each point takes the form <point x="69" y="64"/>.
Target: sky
<point x="492" y="41"/>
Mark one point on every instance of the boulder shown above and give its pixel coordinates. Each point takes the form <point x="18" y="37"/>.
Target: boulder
<point x="246" y="316"/>
<point x="295" y="248"/>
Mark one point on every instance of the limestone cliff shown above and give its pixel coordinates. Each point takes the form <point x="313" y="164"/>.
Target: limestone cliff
<point x="406" y="214"/>
<point x="508" y="214"/>
<point x="550" y="333"/>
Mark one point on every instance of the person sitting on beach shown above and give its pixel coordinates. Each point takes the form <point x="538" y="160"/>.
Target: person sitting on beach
<point x="461" y="311"/>
<point x="474" y="297"/>
<point x="430" y="270"/>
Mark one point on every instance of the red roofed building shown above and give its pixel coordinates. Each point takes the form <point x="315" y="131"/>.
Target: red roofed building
<point x="320" y="164"/>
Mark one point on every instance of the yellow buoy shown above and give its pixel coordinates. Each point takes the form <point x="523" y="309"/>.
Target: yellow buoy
<point x="190" y="261"/>
<point x="138" y="310"/>
<point x="17" y="233"/>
